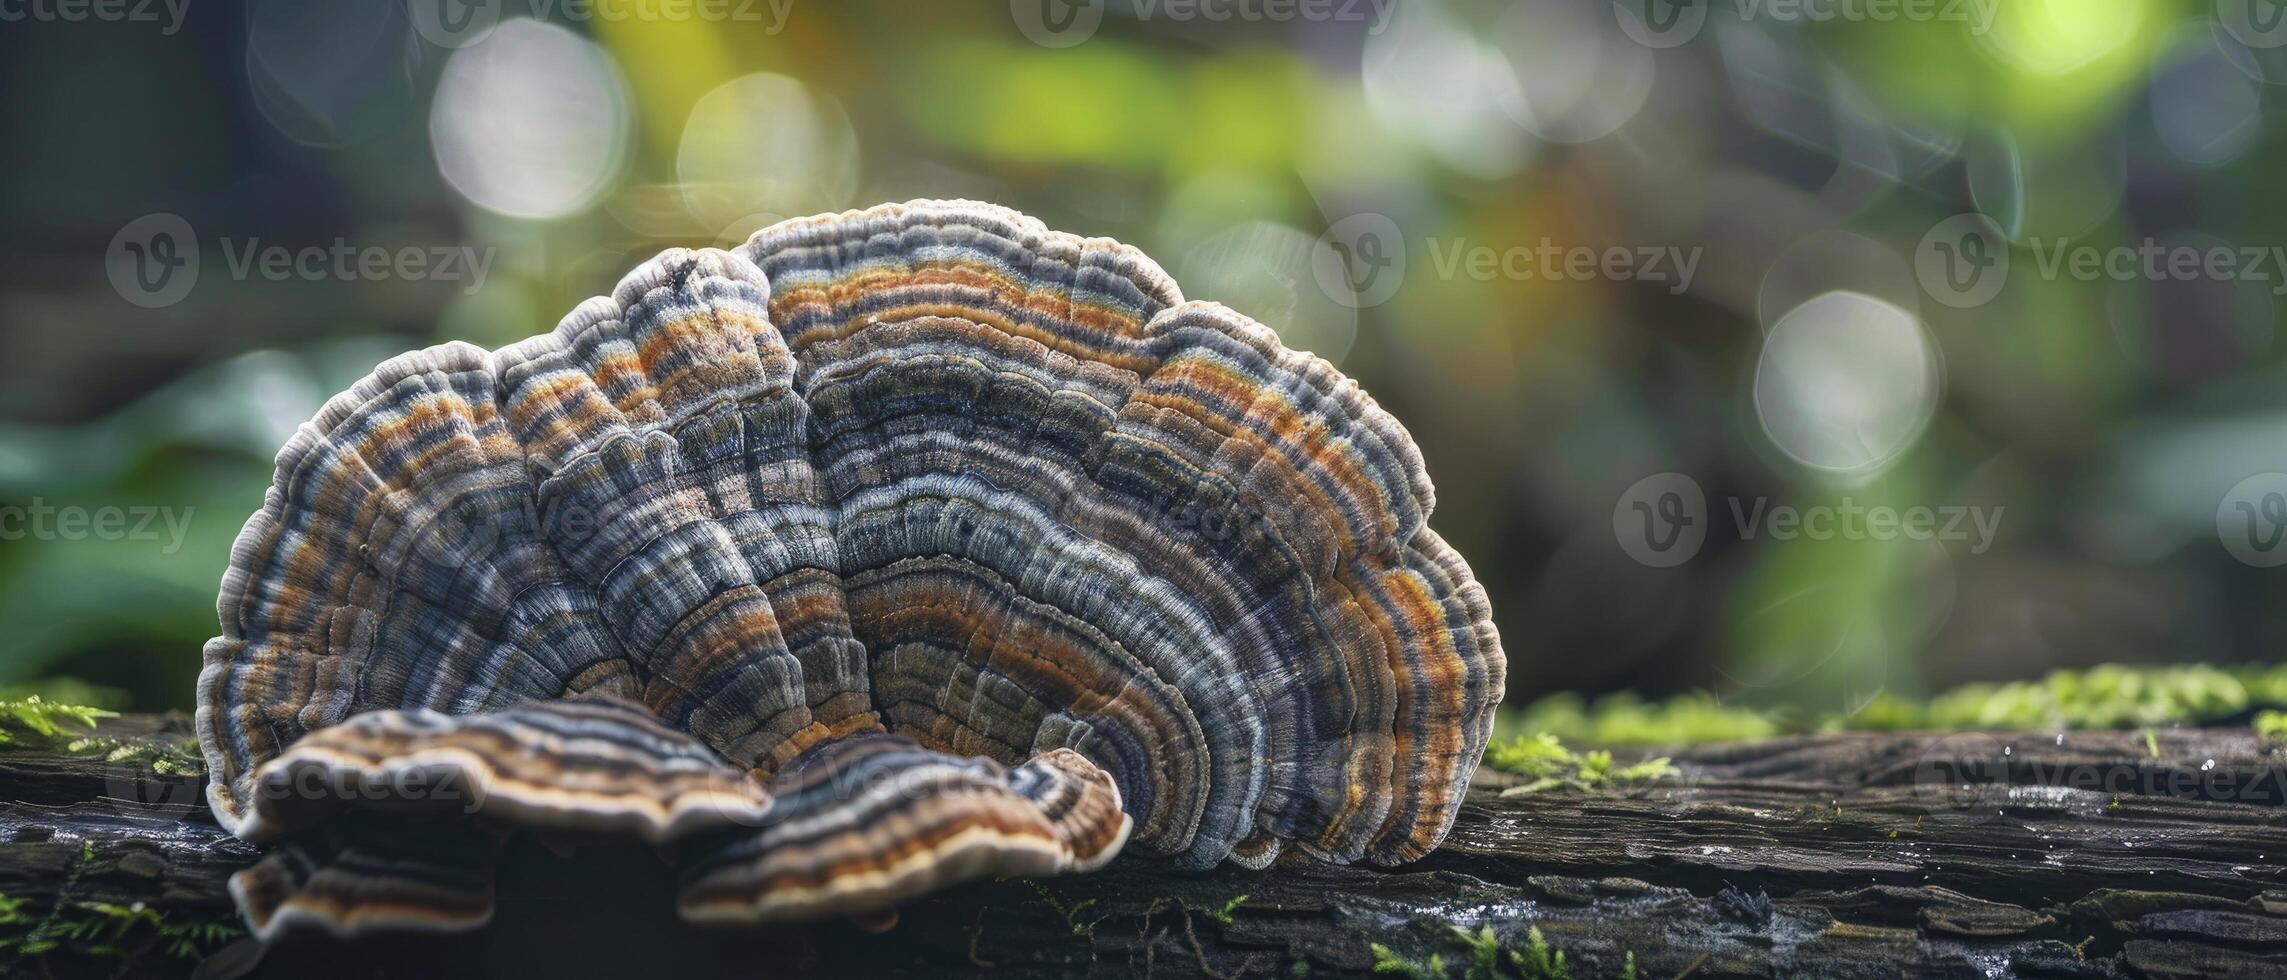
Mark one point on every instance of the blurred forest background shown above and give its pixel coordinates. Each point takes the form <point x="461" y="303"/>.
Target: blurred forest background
<point x="1773" y="307"/>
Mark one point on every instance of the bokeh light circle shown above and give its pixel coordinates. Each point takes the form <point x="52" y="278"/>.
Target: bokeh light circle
<point x="2058" y="37"/>
<point x="531" y="122"/>
<point x="329" y="75"/>
<point x="2205" y="109"/>
<point x="766" y="143"/>
<point x="1579" y="79"/>
<point x="1828" y="260"/>
<point x="1429" y="77"/>
<point x="1846" y="383"/>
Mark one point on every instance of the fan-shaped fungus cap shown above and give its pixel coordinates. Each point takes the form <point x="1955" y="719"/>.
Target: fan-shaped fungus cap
<point x="892" y="549"/>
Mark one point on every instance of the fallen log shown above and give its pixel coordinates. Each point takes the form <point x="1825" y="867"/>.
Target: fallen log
<point x="2091" y="854"/>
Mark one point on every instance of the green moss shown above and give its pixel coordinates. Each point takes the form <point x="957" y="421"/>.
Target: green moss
<point x="44" y="717"/>
<point x="1625" y="719"/>
<point x="1544" y="759"/>
<point x="50" y="719"/>
<point x="120" y="934"/>
<point x="2271" y="726"/>
<point x="66" y="690"/>
<point x="2110" y="696"/>
<point x="1391" y="963"/>
<point x="1223" y="915"/>
<point x="1538" y="961"/>
<point x="1488" y="960"/>
<point x="165" y="758"/>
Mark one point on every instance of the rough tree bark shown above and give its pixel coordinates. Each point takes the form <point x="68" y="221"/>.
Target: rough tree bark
<point x="1986" y="855"/>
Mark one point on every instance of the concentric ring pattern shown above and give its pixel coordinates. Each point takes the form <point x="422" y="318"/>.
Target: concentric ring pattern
<point x="891" y="549"/>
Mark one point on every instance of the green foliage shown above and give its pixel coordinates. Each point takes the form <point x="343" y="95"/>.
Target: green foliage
<point x="49" y="719"/>
<point x="125" y="934"/>
<point x="1544" y="759"/>
<point x="2109" y="696"/>
<point x="198" y="450"/>
<point x="1488" y="960"/>
<point x="1625" y="719"/>
<point x="1389" y="962"/>
<point x="1223" y="915"/>
<point x="1538" y="961"/>
<point x="68" y="690"/>
<point x="2271" y="726"/>
<point x="165" y="758"/>
<point x="45" y="717"/>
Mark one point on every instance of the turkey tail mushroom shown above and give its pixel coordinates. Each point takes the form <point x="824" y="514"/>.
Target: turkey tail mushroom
<point x="892" y="549"/>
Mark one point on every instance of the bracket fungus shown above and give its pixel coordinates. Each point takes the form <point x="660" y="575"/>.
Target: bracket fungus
<point x="891" y="549"/>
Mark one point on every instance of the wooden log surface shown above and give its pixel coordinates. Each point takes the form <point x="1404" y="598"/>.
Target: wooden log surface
<point x="2093" y="854"/>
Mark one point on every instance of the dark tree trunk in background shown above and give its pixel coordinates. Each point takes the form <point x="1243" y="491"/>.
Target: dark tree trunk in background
<point x="1827" y="856"/>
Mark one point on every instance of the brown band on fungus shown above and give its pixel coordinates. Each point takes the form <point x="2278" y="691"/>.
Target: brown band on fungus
<point x="591" y="765"/>
<point x="361" y="875"/>
<point x="864" y="824"/>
